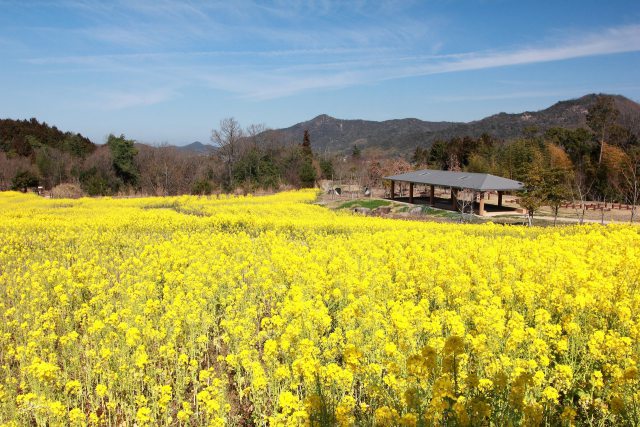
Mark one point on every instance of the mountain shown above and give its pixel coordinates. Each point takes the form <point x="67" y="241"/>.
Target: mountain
<point x="335" y="135"/>
<point x="198" y="148"/>
<point x="329" y="134"/>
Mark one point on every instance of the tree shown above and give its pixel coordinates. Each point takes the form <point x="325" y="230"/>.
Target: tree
<point x="307" y="175"/>
<point x="557" y="174"/>
<point x="420" y="156"/>
<point x="24" y="180"/>
<point x="531" y="200"/>
<point x="631" y="180"/>
<point x="533" y="196"/>
<point x="306" y="145"/>
<point x="201" y="188"/>
<point x="356" y="152"/>
<point x="478" y="163"/>
<point x="227" y="139"/>
<point x="577" y="143"/>
<point x="601" y="117"/>
<point x="438" y="155"/>
<point x="9" y="168"/>
<point x="453" y="164"/>
<point x="97" y="176"/>
<point x="307" y="171"/>
<point x="326" y="168"/>
<point x="256" y="163"/>
<point x="256" y="133"/>
<point x="556" y="189"/>
<point x="466" y="200"/>
<point x="123" y="154"/>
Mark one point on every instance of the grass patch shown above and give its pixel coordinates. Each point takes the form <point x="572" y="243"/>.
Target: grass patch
<point x="370" y="204"/>
<point x="426" y="210"/>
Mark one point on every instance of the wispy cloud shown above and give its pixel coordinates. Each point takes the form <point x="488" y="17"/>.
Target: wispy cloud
<point x="371" y="70"/>
<point x="289" y="60"/>
<point x="610" y="41"/>
<point x="130" y="99"/>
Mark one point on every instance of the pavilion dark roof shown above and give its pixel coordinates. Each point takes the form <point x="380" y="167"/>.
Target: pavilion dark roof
<point x="472" y="181"/>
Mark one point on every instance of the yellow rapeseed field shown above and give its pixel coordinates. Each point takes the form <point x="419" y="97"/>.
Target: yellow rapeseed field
<point x="273" y="311"/>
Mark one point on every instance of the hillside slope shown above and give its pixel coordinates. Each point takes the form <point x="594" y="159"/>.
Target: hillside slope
<point x="329" y="134"/>
<point x="22" y="137"/>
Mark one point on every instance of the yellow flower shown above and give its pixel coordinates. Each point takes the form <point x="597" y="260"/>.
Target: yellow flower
<point x="137" y="309"/>
<point x="73" y="387"/>
<point x="385" y="416"/>
<point x="596" y="379"/>
<point x="76" y="417"/>
<point x="550" y="394"/>
<point x="143" y="415"/>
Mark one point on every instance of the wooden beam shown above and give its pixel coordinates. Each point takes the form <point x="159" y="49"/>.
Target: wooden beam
<point x="432" y="197"/>
<point x="411" y="192"/>
<point x="393" y="189"/>
<point x="454" y="197"/>
<point x="499" y="198"/>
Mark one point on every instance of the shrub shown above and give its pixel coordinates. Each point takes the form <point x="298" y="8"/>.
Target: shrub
<point x="67" y="191"/>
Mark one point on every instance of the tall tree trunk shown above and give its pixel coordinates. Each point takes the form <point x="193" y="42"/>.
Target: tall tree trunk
<point x="601" y="148"/>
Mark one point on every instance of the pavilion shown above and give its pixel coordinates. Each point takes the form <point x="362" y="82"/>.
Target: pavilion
<point x="456" y="181"/>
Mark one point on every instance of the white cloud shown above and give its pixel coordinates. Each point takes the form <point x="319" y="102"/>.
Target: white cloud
<point x="121" y="100"/>
<point x="283" y="81"/>
<point x="272" y="73"/>
<point x="611" y="41"/>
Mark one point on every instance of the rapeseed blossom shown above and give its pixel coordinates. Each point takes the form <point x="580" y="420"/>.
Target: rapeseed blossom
<point x="221" y="310"/>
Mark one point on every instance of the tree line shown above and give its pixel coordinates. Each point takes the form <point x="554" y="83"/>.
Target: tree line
<point x="247" y="159"/>
<point x="598" y="162"/>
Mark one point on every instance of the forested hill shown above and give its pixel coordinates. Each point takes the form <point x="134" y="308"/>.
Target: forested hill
<point x="403" y="135"/>
<point x="26" y="137"/>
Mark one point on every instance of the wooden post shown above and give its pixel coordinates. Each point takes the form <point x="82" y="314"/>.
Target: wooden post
<point x="432" y="197"/>
<point x="481" y="207"/>
<point x="499" y="198"/>
<point x="454" y="197"/>
<point x="411" y="192"/>
<point x="393" y="189"/>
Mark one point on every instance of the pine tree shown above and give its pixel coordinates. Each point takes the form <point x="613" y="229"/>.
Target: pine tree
<point x="306" y="146"/>
<point x="307" y="171"/>
<point x="123" y="153"/>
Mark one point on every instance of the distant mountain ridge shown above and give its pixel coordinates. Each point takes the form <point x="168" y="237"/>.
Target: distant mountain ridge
<point x="197" y="147"/>
<point x="400" y="136"/>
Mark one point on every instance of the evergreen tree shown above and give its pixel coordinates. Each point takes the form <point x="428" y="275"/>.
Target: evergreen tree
<point x="307" y="175"/>
<point x="123" y="153"/>
<point x="307" y="171"/>
<point x="306" y="146"/>
<point x="326" y="168"/>
<point x="24" y="180"/>
<point x="420" y="157"/>
<point x="356" y="152"/>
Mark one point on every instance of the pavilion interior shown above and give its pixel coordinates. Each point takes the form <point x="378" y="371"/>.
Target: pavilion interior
<point x="462" y="199"/>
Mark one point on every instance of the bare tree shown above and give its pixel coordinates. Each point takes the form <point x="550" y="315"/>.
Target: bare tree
<point x="228" y="139"/>
<point x="631" y="181"/>
<point x="580" y="189"/>
<point x="9" y="167"/>
<point x="466" y="202"/>
<point x="154" y="168"/>
<point x="256" y="134"/>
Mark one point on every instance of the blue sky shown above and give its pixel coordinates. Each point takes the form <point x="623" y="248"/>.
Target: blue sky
<point x="167" y="71"/>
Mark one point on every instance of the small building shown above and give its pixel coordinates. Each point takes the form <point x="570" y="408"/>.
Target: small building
<point x="481" y="183"/>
